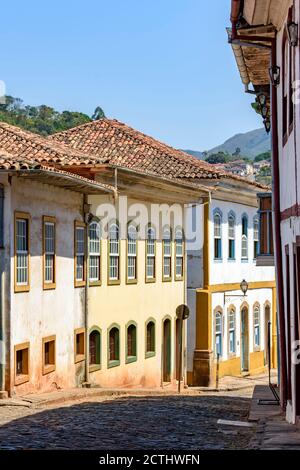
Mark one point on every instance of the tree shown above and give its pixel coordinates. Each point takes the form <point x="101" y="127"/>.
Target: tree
<point x="98" y="114"/>
<point x="219" y="157"/>
<point x="263" y="156"/>
<point x="43" y="119"/>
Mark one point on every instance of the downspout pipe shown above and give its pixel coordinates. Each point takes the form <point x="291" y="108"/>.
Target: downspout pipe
<point x="2" y="269"/>
<point x="235" y="15"/>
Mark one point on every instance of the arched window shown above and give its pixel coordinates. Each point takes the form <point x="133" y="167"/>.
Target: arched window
<point x="150" y="254"/>
<point x="94" y="252"/>
<point x="232" y="331"/>
<point x="218" y="334"/>
<point x="150" y="338"/>
<point x="231" y="236"/>
<point x="131" y="347"/>
<point x="114" y="346"/>
<point x="256" y="326"/>
<point x="217" y="236"/>
<point x="256" y="237"/>
<point x="131" y="253"/>
<point x="244" y="237"/>
<point x="167" y="255"/>
<point x="179" y="251"/>
<point x="95" y="349"/>
<point x="114" y="253"/>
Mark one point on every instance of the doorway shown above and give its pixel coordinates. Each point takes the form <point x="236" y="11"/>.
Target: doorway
<point x="245" y="339"/>
<point x="167" y="351"/>
<point x="267" y="320"/>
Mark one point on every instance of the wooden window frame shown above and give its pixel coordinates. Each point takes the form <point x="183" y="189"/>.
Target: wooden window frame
<point x="48" y="368"/>
<point x="79" y="357"/>
<point x="110" y="281"/>
<point x="256" y="347"/>
<point x="167" y="278"/>
<point x="79" y="283"/>
<point x="149" y="354"/>
<point x="219" y="310"/>
<point x="130" y="280"/>
<point x="24" y="378"/>
<point x="179" y="278"/>
<point x="116" y="362"/>
<point x="96" y="367"/>
<point x="49" y="285"/>
<point x="95" y="283"/>
<point x="230" y="310"/>
<point x="218" y="213"/>
<point x="150" y="280"/>
<point x="130" y="359"/>
<point x="22" y="216"/>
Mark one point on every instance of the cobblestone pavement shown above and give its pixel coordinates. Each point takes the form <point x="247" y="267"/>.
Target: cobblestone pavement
<point x="130" y="423"/>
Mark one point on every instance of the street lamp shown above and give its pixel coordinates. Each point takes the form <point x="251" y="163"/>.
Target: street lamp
<point x="274" y="73"/>
<point x="244" y="288"/>
<point x="262" y="100"/>
<point x="292" y="29"/>
<point x="267" y="124"/>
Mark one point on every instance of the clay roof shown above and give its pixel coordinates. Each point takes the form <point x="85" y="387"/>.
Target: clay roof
<point x="120" y="145"/>
<point x="117" y="144"/>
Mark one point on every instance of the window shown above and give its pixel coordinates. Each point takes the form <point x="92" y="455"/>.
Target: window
<point x="256" y="237"/>
<point x="244" y="237"/>
<point x="21" y="252"/>
<point x="150" y="338"/>
<point x="48" y="355"/>
<point x="256" y="320"/>
<point x="49" y="252"/>
<point x="150" y="255"/>
<point x="79" y="346"/>
<point x="218" y="333"/>
<point x="114" y="255"/>
<point x="167" y="255"/>
<point x="131" y="254"/>
<point x="231" y="331"/>
<point x="79" y="254"/>
<point x="94" y="253"/>
<point x="21" y="363"/>
<point x="114" y="346"/>
<point x="179" y="265"/>
<point x="131" y="347"/>
<point x="266" y="247"/>
<point x="231" y="237"/>
<point x="95" y="350"/>
<point x="217" y="236"/>
<point x="287" y="84"/>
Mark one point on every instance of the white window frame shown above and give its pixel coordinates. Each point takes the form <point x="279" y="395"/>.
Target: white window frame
<point x="150" y="254"/>
<point x="218" y="234"/>
<point x="167" y="254"/>
<point x="114" y="254"/>
<point x="132" y="253"/>
<point x="80" y="260"/>
<point x="49" y="241"/>
<point x="22" y="252"/>
<point x="94" y="252"/>
<point x="179" y="254"/>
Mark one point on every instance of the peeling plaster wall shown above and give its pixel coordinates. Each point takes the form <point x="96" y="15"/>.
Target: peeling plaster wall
<point x="41" y="313"/>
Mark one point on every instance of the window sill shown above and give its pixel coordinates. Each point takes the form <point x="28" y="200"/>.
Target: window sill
<point x="131" y="281"/>
<point x="181" y="278"/>
<point x="131" y="359"/>
<point x="218" y="260"/>
<point x="21" y="379"/>
<point x="49" y="286"/>
<point x="19" y="288"/>
<point x="149" y="354"/>
<point x="167" y="279"/>
<point x="79" y="284"/>
<point x="231" y="260"/>
<point x="245" y="260"/>
<point x="95" y="283"/>
<point x="112" y="282"/>
<point x="150" y="280"/>
<point x="79" y="358"/>
<point x="47" y="369"/>
<point x="94" y="367"/>
<point x="112" y="364"/>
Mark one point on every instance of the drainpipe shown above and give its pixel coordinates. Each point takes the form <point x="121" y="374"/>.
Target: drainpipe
<point x="235" y="15"/>
<point x="2" y="269"/>
<point x="86" y="212"/>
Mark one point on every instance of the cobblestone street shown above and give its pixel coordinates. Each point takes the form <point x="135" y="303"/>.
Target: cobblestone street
<point x="130" y="423"/>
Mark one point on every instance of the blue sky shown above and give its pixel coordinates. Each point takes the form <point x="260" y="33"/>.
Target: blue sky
<point x="162" y="66"/>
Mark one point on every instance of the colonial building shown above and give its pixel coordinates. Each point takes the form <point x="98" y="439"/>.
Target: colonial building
<point x="91" y="278"/>
<point x="228" y="327"/>
<point x="265" y="40"/>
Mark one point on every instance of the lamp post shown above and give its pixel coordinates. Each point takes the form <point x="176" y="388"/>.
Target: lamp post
<point x="274" y="73"/>
<point x="182" y="313"/>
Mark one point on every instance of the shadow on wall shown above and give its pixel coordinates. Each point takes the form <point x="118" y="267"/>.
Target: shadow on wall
<point x="131" y="423"/>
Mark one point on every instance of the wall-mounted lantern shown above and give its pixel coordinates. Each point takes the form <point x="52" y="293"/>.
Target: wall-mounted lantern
<point x="244" y="288"/>
<point x="267" y="124"/>
<point x="292" y="29"/>
<point x="274" y="72"/>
